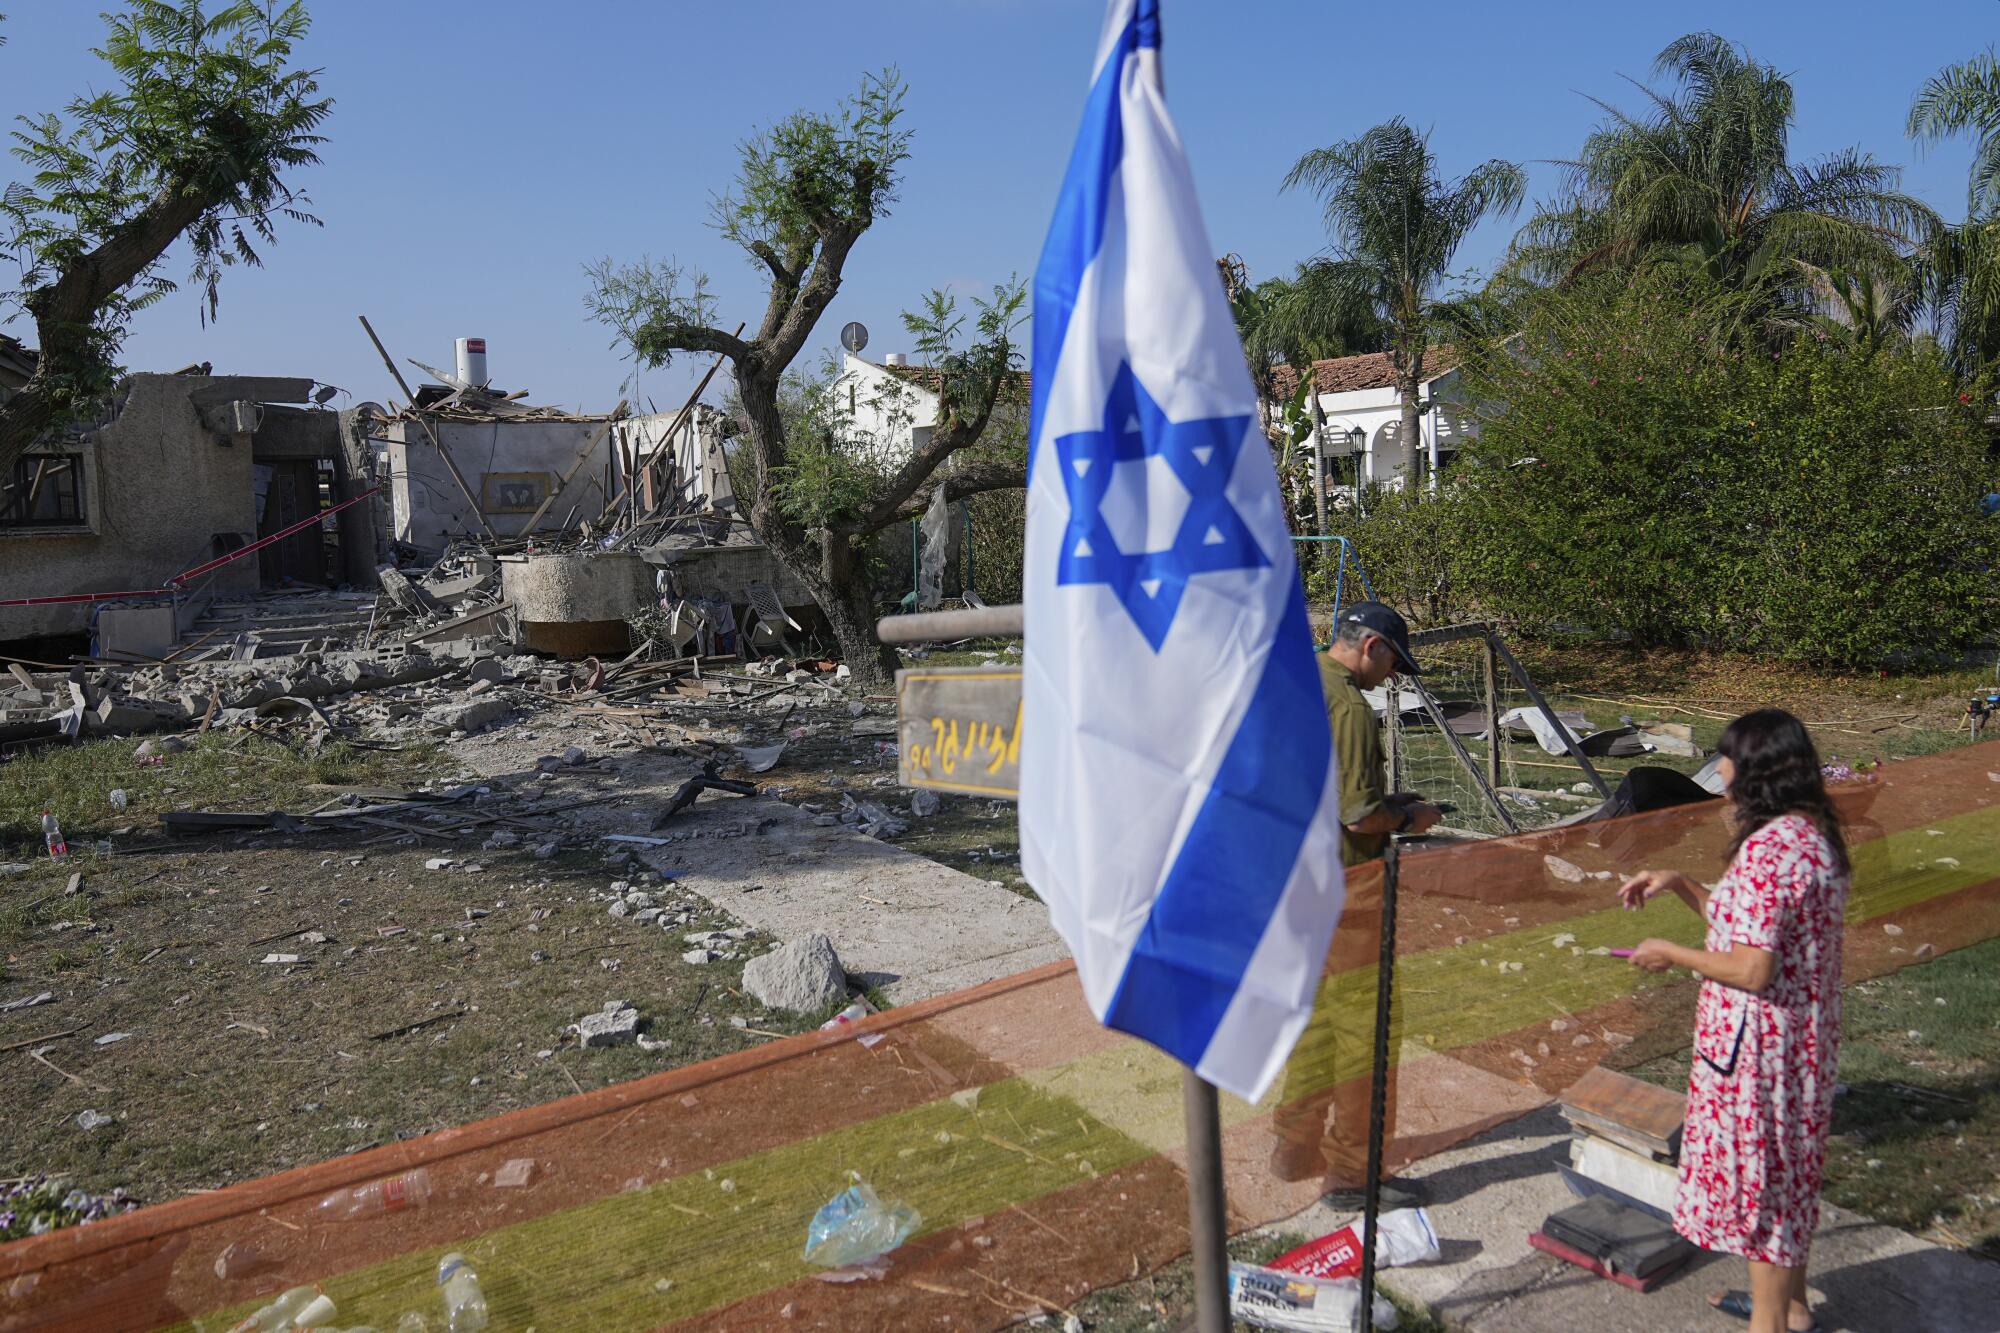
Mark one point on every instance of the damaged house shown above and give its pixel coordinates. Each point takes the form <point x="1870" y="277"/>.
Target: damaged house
<point x="180" y="471"/>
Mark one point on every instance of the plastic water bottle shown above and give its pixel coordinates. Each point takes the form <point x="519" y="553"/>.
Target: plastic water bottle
<point x="118" y="798"/>
<point x="464" y="1303"/>
<point x="281" y="1313"/>
<point x="315" y="1314"/>
<point x="407" y="1190"/>
<point x="52" y="835"/>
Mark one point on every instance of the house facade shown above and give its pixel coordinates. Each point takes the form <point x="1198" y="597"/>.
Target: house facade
<point x="1361" y="417"/>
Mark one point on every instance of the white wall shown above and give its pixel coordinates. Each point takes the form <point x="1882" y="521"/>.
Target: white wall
<point x="430" y="510"/>
<point x="1385" y="459"/>
<point x="884" y="412"/>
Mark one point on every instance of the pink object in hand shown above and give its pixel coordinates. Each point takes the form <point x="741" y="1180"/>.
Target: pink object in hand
<point x="1623" y="953"/>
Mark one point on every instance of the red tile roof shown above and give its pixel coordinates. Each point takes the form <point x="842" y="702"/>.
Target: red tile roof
<point x="1371" y="370"/>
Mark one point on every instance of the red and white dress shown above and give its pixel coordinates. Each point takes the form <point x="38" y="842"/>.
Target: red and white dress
<point x="1760" y="1098"/>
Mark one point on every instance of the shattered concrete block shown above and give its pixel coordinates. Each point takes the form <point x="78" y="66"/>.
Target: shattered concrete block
<point x="466" y="715"/>
<point x="612" y="1027"/>
<point x="924" y="804"/>
<point x="487" y="670"/>
<point x="699" y="956"/>
<point x="802" y="976"/>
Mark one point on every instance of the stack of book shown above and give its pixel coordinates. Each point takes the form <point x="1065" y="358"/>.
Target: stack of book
<point x="1624" y="1151"/>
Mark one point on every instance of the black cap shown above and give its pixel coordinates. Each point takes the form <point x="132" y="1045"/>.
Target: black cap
<point x="1382" y="620"/>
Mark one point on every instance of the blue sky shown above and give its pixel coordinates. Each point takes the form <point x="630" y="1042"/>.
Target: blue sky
<point x="479" y="155"/>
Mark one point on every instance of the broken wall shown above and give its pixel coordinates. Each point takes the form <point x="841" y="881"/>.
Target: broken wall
<point x="698" y="468"/>
<point x="167" y="485"/>
<point x="510" y="467"/>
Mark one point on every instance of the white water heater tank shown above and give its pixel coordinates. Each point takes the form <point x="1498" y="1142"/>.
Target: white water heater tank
<point x="472" y="361"/>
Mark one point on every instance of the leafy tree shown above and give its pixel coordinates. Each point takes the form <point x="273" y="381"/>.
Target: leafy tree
<point x="196" y="139"/>
<point x="1396" y="225"/>
<point x="1282" y="336"/>
<point x="805" y="192"/>
<point x="1705" y="176"/>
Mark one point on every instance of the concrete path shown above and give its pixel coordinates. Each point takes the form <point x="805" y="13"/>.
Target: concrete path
<point x="1486" y="1196"/>
<point x="900" y="921"/>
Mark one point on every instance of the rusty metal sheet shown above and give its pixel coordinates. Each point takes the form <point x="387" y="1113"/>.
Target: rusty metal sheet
<point x="959" y="729"/>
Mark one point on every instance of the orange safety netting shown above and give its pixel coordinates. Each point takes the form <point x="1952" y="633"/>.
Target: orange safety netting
<point x="1043" y="1152"/>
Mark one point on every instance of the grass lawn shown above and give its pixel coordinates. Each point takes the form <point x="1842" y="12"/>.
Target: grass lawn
<point x="235" y="1067"/>
<point x="1916" y="1136"/>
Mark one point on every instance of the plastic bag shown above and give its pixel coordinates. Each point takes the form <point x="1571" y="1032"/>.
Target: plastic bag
<point x="1296" y="1303"/>
<point x="855" y="1225"/>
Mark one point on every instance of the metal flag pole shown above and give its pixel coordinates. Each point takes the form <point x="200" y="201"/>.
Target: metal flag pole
<point x="1207" y="1227"/>
<point x="1378" y="1088"/>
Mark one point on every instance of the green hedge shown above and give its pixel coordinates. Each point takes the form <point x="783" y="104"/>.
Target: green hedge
<point x="1810" y="503"/>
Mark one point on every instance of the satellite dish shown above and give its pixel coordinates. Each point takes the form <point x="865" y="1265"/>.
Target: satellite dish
<point x="854" y="336"/>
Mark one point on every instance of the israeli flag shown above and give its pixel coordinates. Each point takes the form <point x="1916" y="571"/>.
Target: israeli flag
<point x="1179" y="809"/>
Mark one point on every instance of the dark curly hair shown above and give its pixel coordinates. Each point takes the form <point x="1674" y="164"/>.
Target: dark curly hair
<point x="1777" y="773"/>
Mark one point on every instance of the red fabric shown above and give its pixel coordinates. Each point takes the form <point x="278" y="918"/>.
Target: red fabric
<point x="1760" y="1097"/>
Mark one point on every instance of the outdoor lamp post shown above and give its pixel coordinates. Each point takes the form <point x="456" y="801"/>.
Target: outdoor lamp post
<point x="1356" y="438"/>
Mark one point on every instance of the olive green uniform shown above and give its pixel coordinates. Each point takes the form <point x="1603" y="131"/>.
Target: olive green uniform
<point x="1357" y="747"/>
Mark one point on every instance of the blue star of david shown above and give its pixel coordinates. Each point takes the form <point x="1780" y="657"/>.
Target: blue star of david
<point x="1212" y="536"/>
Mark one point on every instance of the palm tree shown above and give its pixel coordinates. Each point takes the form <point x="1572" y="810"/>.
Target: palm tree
<point x="1705" y="176"/>
<point x="1960" y="266"/>
<point x="1866" y="312"/>
<point x="1396" y="225"/>
<point x="1959" y="99"/>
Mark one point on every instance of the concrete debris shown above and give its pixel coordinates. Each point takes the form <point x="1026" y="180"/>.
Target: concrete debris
<point x="700" y="956"/>
<point x="611" y="1026"/>
<point x="924" y="804"/>
<point x="803" y="976"/>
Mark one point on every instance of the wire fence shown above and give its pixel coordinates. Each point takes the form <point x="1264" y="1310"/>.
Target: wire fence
<point x="1042" y="1153"/>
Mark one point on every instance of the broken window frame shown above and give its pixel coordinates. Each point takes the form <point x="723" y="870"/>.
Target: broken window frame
<point x="47" y="491"/>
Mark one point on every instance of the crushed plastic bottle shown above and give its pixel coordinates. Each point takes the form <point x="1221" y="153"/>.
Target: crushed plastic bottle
<point x="280" y="1313"/>
<point x="464" y="1303"/>
<point x="317" y="1311"/>
<point x="856" y="1225"/>
<point x="118" y="798"/>
<point x="388" y="1195"/>
<point x="412" y="1322"/>
<point x="52" y="834"/>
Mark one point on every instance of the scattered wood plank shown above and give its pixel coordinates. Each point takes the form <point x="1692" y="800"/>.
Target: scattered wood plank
<point x="37" y="1041"/>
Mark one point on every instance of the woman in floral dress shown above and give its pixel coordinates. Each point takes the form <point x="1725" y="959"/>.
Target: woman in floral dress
<point x="1767" y="1026"/>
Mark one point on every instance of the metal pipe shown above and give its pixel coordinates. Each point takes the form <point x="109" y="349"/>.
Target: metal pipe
<point x="1207" y="1225"/>
<point x="1378" y="1087"/>
<point x="998" y="622"/>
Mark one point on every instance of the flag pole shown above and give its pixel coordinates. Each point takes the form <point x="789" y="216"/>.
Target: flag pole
<point x="1378" y="1088"/>
<point x="1207" y="1228"/>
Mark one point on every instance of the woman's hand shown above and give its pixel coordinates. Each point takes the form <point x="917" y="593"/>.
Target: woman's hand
<point x="1648" y="884"/>
<point x="1653" y="955"/>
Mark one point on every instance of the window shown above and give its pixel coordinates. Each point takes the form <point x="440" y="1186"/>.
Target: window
<point x="45" y="491"/>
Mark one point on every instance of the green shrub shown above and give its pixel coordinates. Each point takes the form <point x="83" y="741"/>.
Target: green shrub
<point x="1812" y="503"/>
